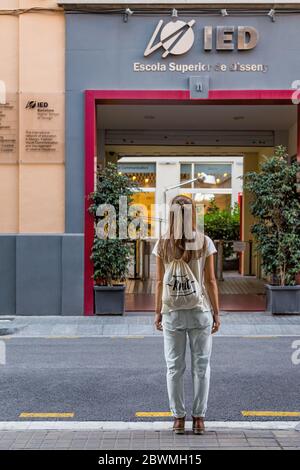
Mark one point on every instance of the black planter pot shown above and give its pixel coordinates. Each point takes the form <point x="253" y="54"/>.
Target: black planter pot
<point x="283" y="299"/>
<point x="109" y="300"/>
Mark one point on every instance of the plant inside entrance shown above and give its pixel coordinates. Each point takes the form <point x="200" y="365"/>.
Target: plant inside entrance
<point x="224" y="224"/>
<point x="110" y="253"/>
<point x="275" y="204"/>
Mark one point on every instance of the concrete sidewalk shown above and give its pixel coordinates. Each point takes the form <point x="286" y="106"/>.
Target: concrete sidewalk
<point x="164" y="439"/>
<point x="141" y="324"/>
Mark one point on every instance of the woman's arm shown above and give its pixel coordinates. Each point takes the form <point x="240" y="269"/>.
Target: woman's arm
<point x="160" y="270"/>
<point x="212" y="290"/>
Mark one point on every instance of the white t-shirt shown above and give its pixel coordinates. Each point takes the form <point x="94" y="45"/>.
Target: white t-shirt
<point x="197" y="266"/>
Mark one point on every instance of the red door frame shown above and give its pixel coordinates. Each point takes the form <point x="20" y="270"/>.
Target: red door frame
<point x="93" y="97"/>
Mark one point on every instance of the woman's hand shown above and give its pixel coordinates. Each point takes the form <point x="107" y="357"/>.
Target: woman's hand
<point x="157" y="321"/>
<point x="216" y="323"/>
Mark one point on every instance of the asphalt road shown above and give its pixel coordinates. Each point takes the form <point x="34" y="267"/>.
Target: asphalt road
<point x="113" y="378"/>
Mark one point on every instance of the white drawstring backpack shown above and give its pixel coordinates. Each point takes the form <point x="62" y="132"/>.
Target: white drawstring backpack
<point x="181" y="290"/>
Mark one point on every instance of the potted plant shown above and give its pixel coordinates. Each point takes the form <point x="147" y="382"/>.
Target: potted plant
<point x="224" y="224"/>
<point x="275" y="204"/>
<point x="110" y="253"/>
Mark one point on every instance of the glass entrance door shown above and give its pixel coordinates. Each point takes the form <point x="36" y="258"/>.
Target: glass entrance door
<point x="217" y="191"/>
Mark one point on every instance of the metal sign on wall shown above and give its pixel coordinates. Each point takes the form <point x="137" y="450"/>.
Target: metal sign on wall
<point x="148" y="52"/>
<point x="42" y="127"/>
<point x="177" y="37"/>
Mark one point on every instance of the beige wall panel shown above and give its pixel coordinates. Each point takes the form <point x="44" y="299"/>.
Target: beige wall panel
<point x="9" y="51"/>
<point x="42" y="198"/>
<point x="9" y="198"/>
<point x="37" y="3"/>
<point x="9" y="4"/>
<point x="42" y="52"/>
<point x="32" y="48"/>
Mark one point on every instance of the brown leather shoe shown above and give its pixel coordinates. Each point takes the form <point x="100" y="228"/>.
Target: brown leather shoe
<point x="198" y="425"/>
<point x="178" y="426"/>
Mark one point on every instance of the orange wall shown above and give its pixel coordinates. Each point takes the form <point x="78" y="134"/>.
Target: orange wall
<point x="32" y="47"/>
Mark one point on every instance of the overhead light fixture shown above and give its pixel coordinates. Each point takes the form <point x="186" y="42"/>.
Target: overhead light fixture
<point x="174" y="13"/>
<point x="126" y="15"/>
<point x="272" y="14"/>
<point x="224" y="12"/>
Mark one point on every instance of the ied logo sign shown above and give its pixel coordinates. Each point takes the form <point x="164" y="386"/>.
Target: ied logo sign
<point x="176" y="37"/>
<point x="32" y="104"/>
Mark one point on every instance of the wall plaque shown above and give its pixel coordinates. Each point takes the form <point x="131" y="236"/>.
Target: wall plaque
<point x="42" y="128"/>
<point x="9" y="129"/>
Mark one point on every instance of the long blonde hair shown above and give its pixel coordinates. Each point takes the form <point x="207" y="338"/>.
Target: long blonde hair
<point x="182" y="237"/>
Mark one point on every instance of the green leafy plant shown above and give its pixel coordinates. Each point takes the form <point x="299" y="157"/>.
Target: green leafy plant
<point x="110" y="255"/>
<point x="223" y="224"/>
<point x="275" y="204"/>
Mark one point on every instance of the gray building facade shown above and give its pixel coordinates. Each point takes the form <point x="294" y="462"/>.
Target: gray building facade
<point x="204" y="53"/>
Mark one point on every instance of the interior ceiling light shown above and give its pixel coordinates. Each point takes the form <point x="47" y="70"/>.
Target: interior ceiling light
<point x="174" y="13"/>
<point x="272" y="14"/>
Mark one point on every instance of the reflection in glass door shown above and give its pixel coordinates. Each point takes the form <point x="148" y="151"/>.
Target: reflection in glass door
<point x="218" y="191"/>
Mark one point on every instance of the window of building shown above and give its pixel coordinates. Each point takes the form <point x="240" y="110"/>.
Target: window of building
<point x="220" y="173"/>
<point x="186" y="174"/>
<point x="217" y="189"/>
<point x="144" y="174"/>
<point x="143" y="200"/>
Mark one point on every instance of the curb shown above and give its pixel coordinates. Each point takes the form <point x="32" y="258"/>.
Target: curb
<point x="148" y="426"/>
<point x="8" y="331"/>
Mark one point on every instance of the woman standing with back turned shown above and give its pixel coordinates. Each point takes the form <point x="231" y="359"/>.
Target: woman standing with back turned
<point x="186" y="304"/>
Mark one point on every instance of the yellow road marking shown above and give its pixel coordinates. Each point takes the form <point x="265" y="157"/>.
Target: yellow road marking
<point x="62" y="337"/>
<point x="128" y="337"/>
<point x="149" y="414"/>
<point x="271" y="413"/>
<point x="260" y="337"/>
<point x="47" y="415"/>
<point x="134" y="337"/>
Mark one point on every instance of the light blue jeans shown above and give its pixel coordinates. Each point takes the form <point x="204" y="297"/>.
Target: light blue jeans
<point x="197" y="326"/>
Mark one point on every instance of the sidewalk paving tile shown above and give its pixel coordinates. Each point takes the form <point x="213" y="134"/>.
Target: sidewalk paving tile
<point x="233" y="323"/>
<point x="148" y="440"/>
